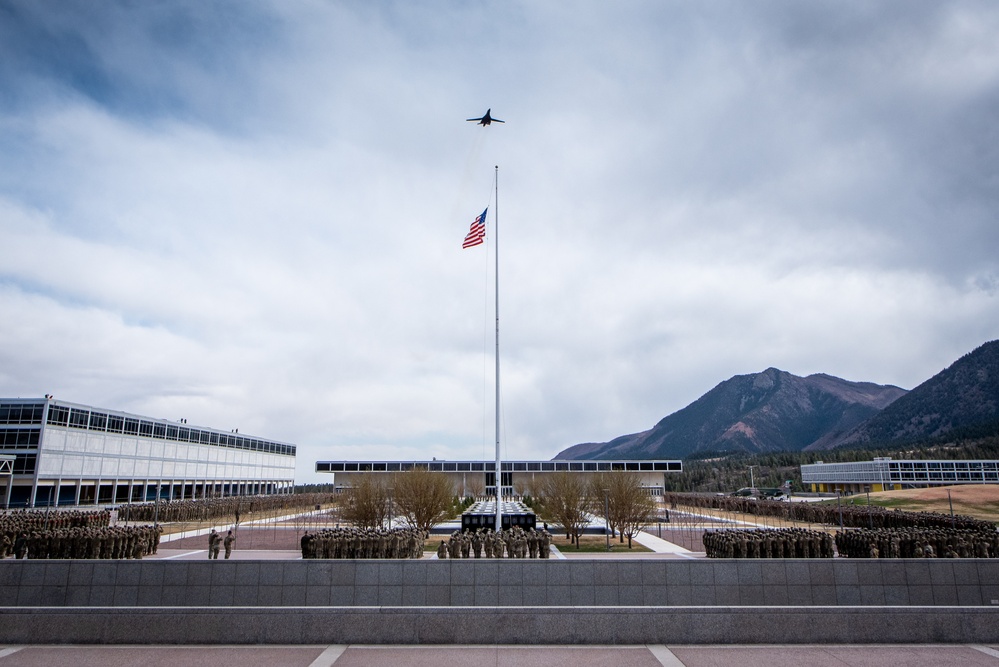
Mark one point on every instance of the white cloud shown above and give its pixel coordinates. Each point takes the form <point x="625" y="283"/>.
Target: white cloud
<point x="263" y="231"/>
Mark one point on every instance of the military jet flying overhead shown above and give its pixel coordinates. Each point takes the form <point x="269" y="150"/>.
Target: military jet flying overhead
<point x="485" y="120"/>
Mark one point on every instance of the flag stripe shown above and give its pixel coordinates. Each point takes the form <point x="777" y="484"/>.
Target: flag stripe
<point x="476" y="232"/>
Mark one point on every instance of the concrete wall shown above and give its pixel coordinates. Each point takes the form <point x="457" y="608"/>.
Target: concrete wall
<point x="500" y="602"/>
<point x="506" y="583"/>
<point x="501" y="625"/>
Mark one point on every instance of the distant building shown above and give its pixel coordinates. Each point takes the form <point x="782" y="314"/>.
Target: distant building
<point x="883" y="474"/>
<point x="519" y="477"/>
<point x="71" y="454"/>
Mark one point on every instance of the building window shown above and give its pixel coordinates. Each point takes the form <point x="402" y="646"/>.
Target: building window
<point x="58" y="415"/>
<point x="24" y="464"/>
<point x="19" y="438"/>
<point x="79" y="418"/>
<point x="21" y="413"/>
<point x="98" y="421"/>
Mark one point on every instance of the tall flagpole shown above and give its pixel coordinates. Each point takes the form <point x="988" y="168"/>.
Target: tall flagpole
<point x="499" y="461"/>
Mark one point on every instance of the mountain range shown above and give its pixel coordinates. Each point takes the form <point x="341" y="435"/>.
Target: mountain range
<point x="777" y="411"/>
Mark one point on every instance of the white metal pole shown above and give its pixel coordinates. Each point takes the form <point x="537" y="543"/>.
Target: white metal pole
<point x="499" y="461"/>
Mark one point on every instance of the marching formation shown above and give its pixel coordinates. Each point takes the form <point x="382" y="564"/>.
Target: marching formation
<point x="514" y="542"/>
<point x="203" y="509"/>
<point x="768" y="543"/>
<point x="363" y="543"/>
<point x="918" y="543"/>
<point x="853" y="516"/>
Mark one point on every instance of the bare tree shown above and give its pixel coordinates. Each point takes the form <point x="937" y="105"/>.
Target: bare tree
<point x="619" y="496"/>
<point x="631" y="507"/>
<point x="366" y="505"/>
<point x="475" y="486"/>
<point x="599" y="492"/>
<point x="423" y="498"/>
<point x="565" y="498"/>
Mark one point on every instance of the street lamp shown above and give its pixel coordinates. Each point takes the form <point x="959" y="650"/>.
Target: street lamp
<point x="752" y="480"/>
<point x="607" y="517"/>
<point x="156" y="510"/>
<point x="840" y="509"/>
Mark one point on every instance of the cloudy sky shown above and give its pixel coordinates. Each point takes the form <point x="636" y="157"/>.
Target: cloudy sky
<point x="250" y="214"/>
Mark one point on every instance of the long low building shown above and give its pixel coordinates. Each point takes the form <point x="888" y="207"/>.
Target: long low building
<point x="885" y="473"/>
<point x="72" y="454"/>
<point x="519" y="477"/>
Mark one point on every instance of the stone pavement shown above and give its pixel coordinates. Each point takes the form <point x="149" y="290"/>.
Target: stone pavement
<point x="502" y="656"/>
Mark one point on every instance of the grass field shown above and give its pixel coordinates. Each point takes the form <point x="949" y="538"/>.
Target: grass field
<point x="978" y="500"/>
<point x="595" y="544"/>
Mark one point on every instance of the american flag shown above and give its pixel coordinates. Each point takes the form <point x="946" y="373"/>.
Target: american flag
<point x="477" y="232"/>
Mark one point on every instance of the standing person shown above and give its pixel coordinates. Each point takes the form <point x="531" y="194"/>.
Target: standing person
<point x="21" y="546"/>
<point x="213" y="545"/>
<point x="306" y="540"/>
<point x="227" y="543"/>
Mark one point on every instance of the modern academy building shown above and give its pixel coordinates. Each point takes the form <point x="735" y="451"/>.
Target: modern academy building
<point x="71" y="454"/>
<point x="518" y="479"/>
<point x="886" y="474"/>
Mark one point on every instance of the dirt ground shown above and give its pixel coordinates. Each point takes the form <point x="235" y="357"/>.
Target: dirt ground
<point x="247" y="538"/>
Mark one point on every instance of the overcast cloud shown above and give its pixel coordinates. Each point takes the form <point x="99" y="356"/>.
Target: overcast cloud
<point x="250" y="214"/>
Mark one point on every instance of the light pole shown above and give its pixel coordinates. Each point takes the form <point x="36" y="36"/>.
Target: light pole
<point x="156" y="510"/>
<point x="607" y="517"/>
<point x="951" y="503"/>
<point x="752" y="480"/>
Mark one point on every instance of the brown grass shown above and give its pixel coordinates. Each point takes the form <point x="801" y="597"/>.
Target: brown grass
<point x="596" y="543"/>
<point x="978" y="500"/>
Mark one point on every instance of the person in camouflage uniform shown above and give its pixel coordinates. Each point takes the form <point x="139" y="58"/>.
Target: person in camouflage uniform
<point x="214" y="540"/>
<point x="228" y="542"/>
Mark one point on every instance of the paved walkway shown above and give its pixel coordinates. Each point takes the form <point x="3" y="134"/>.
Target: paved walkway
<point x="501" y="656"/>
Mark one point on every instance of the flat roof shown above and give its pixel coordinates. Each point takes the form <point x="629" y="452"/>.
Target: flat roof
<point x="555" y="465"/>
<point x="63" y="414"/>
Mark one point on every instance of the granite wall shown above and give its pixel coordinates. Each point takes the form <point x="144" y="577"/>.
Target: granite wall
<point x="506" y="583"/>
<point x="500" y="625"/>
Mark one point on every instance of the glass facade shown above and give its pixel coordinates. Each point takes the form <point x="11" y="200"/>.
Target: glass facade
<point x="885" y="473"/>
<point x="517" y="475"/>
<point x="94" y="420"/>
<point x="89" y="455"/>
<point x="490" y="466"/>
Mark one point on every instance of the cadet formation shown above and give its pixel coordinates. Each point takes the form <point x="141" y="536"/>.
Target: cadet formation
<point x="918" y="543"/>
<point x="206" y="509"/>
<point x="768" y="543"/>
<point x="363" y="543"/>
<point x="82" y="542"/>
<point x="72" y="534"/>
<point x="514" y="543"/>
